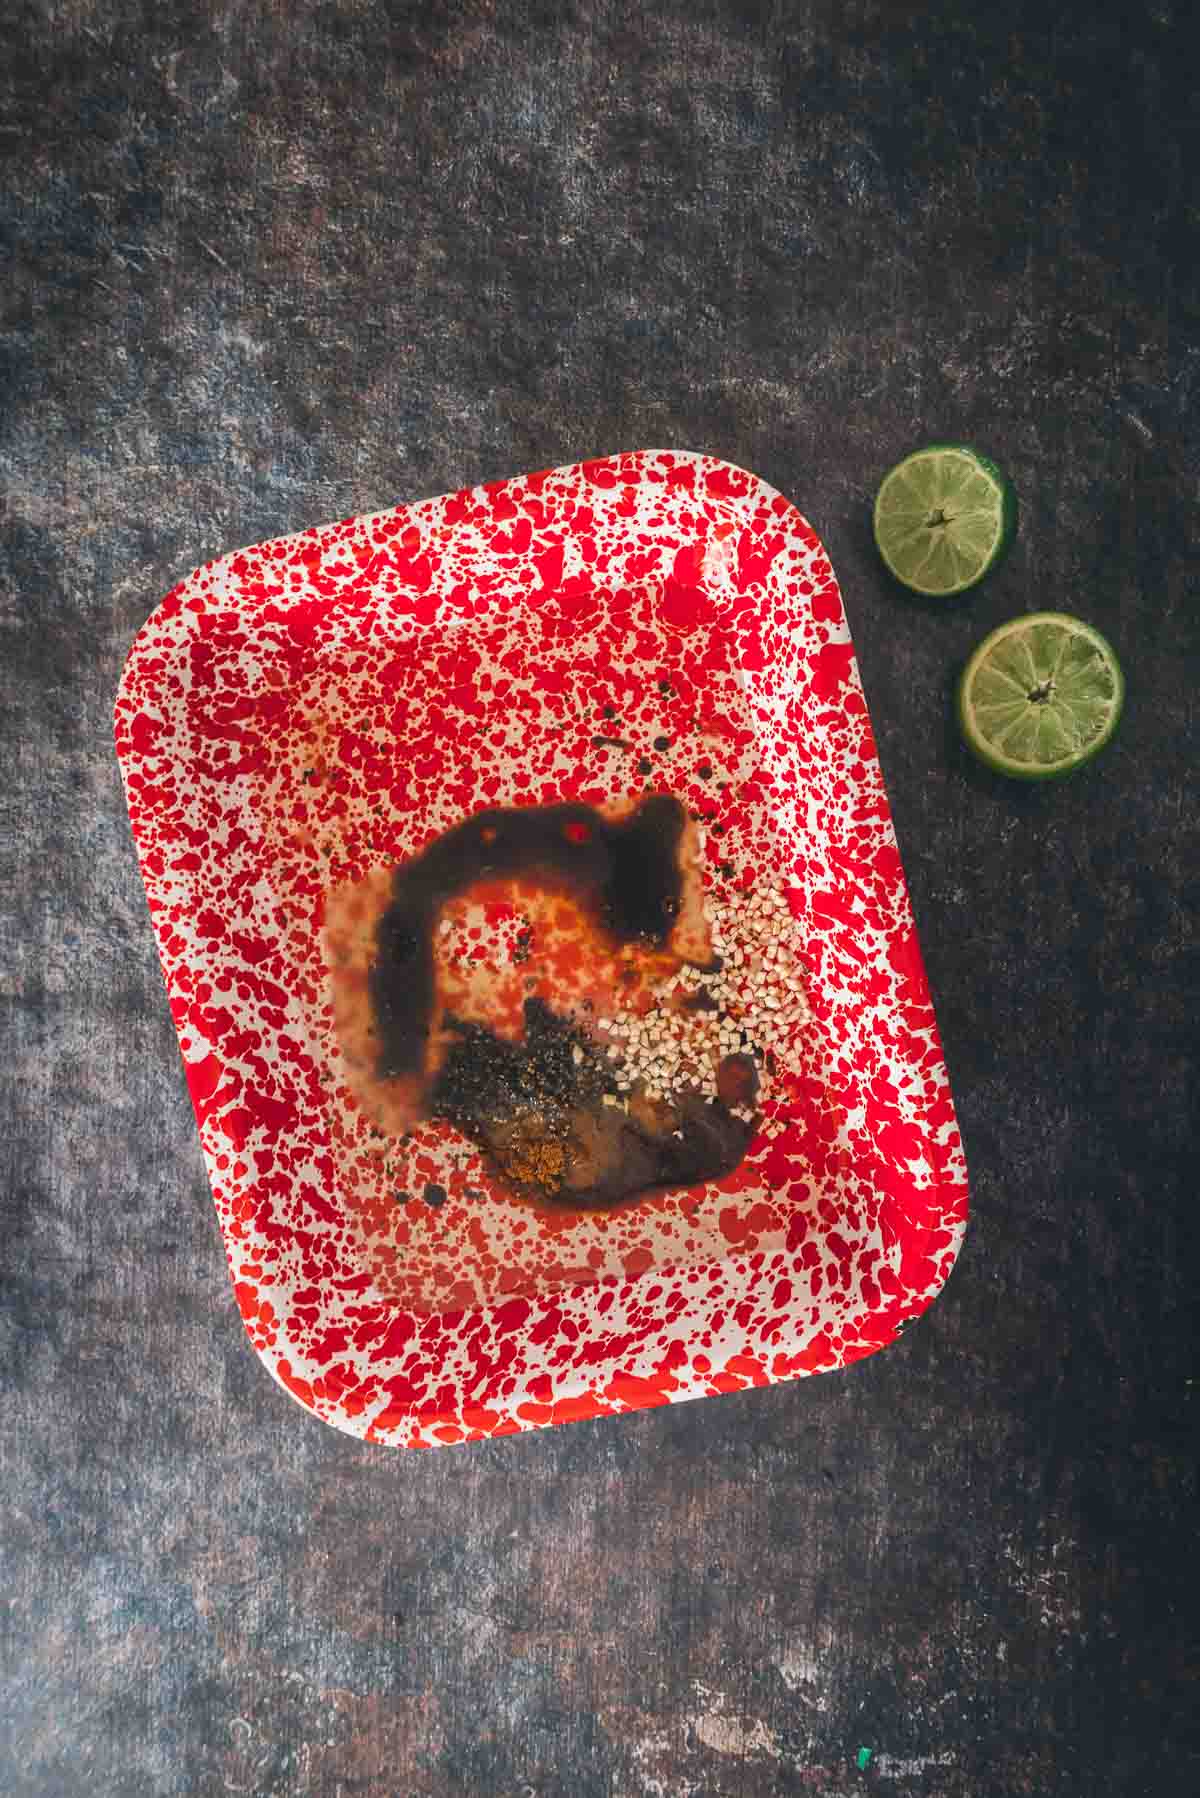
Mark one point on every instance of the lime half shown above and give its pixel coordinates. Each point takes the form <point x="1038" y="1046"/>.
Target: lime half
<point x="943" y="517"/>
<point x="1040" y="696"/>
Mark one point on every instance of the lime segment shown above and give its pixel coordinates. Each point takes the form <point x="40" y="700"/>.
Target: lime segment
<point x="943" y="518"/>
<point x="1040" y="696"/>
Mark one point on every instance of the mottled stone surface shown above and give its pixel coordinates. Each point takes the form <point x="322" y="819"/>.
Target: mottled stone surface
<point x="273" y="264"/>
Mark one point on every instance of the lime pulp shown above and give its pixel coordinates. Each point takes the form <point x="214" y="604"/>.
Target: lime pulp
<point x="1040" y="696"/>
<point x="943" y="518"/>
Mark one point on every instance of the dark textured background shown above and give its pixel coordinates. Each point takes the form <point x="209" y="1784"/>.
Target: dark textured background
<point x="276" y="264"/>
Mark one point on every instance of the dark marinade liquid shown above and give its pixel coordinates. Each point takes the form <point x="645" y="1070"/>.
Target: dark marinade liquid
<point x="537" y="1107"/>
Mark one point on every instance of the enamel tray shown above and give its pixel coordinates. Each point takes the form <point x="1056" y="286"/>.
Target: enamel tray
<point x="299" y="714"/>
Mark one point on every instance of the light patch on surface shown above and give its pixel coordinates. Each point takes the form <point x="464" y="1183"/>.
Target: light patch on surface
<point x="801" y="1673"/>
<point x="1046" y="1583"/>
<point x="656" y="1756"/>
<point x="894" y="1766"/>
<point x="727" y="1733"/>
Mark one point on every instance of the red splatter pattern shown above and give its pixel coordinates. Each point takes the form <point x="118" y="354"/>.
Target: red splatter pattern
<point x="298" y="714"/>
